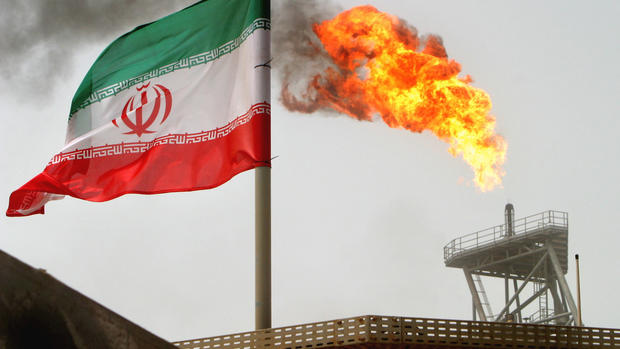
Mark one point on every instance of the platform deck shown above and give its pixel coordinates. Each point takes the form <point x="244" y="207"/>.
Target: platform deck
<point x="386" y="332"/>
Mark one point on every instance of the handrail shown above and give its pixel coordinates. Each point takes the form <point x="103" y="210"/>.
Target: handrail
<point x="540" y="314"/>
<point x="497" y="233"/>
<point x="412" y="333"/>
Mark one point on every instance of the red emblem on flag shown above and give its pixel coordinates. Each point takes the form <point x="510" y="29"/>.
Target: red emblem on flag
<point x="139" y="125"/>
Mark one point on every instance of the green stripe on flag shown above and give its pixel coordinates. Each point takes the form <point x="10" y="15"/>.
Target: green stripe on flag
<point x="208" y="29"/>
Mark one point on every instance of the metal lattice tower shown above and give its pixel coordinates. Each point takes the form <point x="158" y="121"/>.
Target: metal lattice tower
<point x="528" y="251"/>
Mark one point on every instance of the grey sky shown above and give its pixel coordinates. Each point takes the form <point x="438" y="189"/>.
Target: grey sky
<point x="360" y="211"/>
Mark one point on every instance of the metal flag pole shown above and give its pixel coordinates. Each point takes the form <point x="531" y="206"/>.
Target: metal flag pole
<point x="262" y="202"/>
<point x="263" y="248"/>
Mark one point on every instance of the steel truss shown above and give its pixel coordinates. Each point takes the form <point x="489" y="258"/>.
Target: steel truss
<point x="547" y="272"/>
<point x="531" y="251"/>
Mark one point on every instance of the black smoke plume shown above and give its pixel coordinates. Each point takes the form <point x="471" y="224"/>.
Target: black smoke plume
<point x="40" y="37"/>
<point x="297" y="52"/>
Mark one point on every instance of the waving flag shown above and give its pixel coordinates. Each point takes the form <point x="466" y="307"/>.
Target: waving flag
<point x="178" y="104"/>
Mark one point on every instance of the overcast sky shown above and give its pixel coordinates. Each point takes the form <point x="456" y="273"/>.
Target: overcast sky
<point x="361" y="212"/>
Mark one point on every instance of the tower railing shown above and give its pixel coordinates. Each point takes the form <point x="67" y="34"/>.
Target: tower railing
<point x="498" y="233"/>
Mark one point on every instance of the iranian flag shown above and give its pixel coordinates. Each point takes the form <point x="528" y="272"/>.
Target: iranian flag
<point x="179" y="104"/>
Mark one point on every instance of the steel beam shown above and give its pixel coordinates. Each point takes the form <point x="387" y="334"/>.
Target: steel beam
<point x="527" y="279"/>
<point x="473" y="310"/>
<point x="511" y="258"/>
<point x="520" y="317"/>
<point x="555" y="263"/>
<point x="532" y="298"/>
<point x="551" y="318"/>
<point x="557" y="302"/>
<point x="506" y="290"/>
<point x="498" y="275"/>
<point x="564" y="301"/>
<point x="474" y="294"/>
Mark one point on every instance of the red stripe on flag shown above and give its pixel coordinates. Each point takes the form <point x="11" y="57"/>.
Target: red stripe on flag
<point x="161" y="169"/>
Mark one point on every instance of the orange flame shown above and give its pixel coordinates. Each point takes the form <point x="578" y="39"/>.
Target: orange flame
<point x="379" y="69"/>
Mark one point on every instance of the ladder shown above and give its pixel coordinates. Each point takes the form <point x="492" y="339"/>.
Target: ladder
<point x="543" y="310"/>
<point x="484" y="300"/>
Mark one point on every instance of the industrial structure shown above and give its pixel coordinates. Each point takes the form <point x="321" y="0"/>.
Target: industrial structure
<point x="527" y="251"/>
<point x="530" y="251"/>
<point x="38" y="311"/>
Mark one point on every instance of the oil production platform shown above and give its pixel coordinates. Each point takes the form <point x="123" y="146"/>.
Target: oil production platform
<point x="529" y="255"/>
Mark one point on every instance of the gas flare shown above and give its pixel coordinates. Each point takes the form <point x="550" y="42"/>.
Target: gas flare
<point x="381" y="66"/>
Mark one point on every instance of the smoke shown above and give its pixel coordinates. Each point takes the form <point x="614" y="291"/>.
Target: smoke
<point x="298" y="53"/>
<point x="40" y="38"/>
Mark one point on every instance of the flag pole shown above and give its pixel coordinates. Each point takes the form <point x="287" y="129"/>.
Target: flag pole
<point x="262" y="201"/>
<point x="263" y="247"/>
